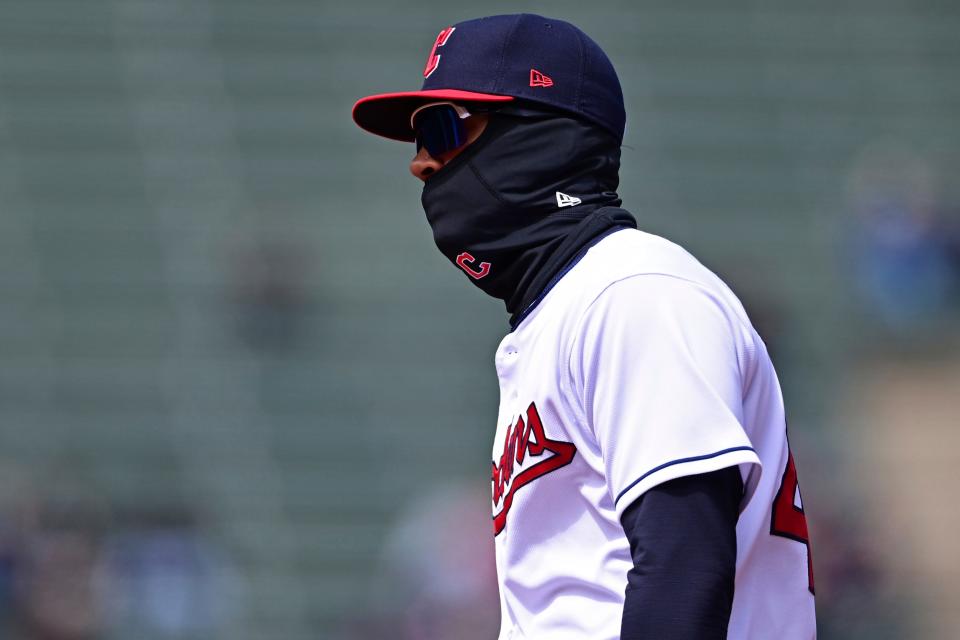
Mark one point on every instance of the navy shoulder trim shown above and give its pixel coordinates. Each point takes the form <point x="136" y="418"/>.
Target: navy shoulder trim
<point x="679" y="461"/>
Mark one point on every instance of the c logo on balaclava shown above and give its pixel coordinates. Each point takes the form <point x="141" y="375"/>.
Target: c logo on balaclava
<point x="464" y="260"/>
<point x="433" y="60"/>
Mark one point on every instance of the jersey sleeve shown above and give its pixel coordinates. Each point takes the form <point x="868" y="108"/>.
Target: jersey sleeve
<point x="656" y="364"/>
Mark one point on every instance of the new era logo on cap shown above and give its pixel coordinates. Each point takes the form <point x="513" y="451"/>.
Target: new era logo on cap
<point x="563" y="200"/>
<point x="538" y="79"/>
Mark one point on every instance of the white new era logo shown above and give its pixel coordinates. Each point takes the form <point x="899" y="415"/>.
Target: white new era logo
<point x="563" y="200"/>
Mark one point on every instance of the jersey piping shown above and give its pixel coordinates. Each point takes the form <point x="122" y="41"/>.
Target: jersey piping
<point x="678" y="461"/>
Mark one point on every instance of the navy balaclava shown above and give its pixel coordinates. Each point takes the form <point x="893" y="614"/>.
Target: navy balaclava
<point x="523" y="201"/>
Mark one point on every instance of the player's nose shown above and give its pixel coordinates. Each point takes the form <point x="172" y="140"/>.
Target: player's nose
<point x="424" y="165"/>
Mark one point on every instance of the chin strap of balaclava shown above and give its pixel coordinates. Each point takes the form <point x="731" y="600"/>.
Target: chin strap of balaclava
<point x="505" y="209"/>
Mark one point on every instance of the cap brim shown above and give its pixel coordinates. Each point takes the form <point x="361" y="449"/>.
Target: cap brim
<point x="388" y="114"/>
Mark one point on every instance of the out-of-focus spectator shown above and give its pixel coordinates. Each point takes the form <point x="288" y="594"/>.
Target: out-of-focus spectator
<point x="163" y="578"/>
<point x="270" y="294"/>
<point x="15" y="492"/>
<point x="763" y="306"/>
<point x="857" y="598"/>
<point x="437" y="579"/>
<point x="54" y="569"/>
<point x="900" y="242"/>
<point x="72" y="568"/>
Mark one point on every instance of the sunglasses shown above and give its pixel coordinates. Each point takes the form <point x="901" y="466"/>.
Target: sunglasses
<point x="440" y="127"/>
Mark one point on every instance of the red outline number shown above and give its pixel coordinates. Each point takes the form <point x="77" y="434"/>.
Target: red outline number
<point x="787" y="520"/>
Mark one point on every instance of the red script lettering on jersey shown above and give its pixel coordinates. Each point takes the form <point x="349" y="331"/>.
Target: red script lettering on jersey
<point x="526" y="438"/>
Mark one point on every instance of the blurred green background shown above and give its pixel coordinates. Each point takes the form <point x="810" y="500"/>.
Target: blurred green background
<point x="242" y="395"/>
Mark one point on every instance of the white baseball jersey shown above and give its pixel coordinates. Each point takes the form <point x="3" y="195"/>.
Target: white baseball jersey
<point x="637" y="367"/>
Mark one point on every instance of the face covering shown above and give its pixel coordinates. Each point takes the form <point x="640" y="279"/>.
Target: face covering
<point x="524" y="201"/>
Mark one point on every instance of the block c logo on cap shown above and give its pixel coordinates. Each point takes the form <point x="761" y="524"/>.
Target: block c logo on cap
<point x="433" y="60"/>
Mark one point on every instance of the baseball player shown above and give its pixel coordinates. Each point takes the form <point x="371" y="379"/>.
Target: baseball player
<point x="642" y="484"/>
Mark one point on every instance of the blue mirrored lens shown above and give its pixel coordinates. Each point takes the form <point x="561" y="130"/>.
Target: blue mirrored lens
<point x="439" y="129"/>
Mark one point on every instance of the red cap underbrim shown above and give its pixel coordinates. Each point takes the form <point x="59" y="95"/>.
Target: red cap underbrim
<point x="388" y="114"/>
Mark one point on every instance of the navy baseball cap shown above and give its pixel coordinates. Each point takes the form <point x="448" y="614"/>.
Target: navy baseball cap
<point x="501" y="59"/>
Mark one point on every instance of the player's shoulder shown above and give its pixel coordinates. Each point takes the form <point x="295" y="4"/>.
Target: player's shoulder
<point x="643" y="260"/>
<point x="634" y="252"/>
<point x="636" y="274"/>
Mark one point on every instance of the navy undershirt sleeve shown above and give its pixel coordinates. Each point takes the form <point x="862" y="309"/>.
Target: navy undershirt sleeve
<point x="683" y="541"/>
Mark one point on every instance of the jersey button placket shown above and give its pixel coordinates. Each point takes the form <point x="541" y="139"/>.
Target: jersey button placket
<point x="506" y="360"/>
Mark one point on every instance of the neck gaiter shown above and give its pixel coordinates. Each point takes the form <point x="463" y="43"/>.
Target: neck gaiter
<point x="523" y="200"/>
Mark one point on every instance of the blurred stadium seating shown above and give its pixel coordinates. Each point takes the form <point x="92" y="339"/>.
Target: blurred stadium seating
<point x="220" y="299"/>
